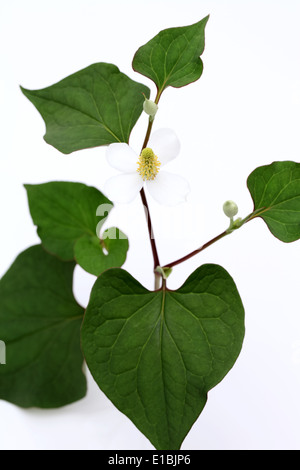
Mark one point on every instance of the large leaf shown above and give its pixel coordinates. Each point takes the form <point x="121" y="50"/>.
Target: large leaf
<point x="275" y="190"/>
<point x="171" y="58"/>
<point x="40" y="325"/>
<point x="157" y="354"/>
<point x="69" y="217"/>
<point x="95" y="106"/>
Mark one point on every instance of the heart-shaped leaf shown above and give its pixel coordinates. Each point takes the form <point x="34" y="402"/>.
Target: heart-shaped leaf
<point x="40" y="325"/>
<point x="171" y="58"/>
<point x="95" y="106"/>
<point x="275" y="190"/>
<point x="69" y="217"/>
<point x="157" y="354"/>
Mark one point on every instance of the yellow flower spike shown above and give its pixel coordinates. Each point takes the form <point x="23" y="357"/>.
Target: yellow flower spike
<point x="148" y="165"/>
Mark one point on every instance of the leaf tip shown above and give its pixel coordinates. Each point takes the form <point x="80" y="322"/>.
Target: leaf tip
<point x="24" y="91"/>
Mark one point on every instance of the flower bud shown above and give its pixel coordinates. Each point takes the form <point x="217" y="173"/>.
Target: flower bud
<point x="165" y="272"/>
<point x="230" y="209"/>
<point x="150" y="107"/>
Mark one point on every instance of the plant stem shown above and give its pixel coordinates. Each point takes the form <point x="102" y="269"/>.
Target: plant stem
<point x="195" y="252"/>
<point x="149" y="129"/>
<point x="147" y="211"/>
<point x="251" y="216"/>
<point x="150" y="229"/>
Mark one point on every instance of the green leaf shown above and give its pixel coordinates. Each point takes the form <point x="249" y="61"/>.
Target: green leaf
<point x="96" y="255"/>
<point x="96" y="106"/>
<point x="69" y="217"/>
<point x="40" y="326"/>
<point x="275" y="190"/>
<point x="171" y="58"/>
<point x="157" y="354"/>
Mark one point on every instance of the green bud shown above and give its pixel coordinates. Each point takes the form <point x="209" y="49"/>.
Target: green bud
<point x="165" y="272"/>
<point x="230" y="209"/>
<point x="150" y="107"/>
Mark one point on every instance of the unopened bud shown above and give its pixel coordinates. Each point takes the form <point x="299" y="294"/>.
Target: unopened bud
<point x="165" y="272"/>
<point x="230" y="209"/>
<point x="150" y="107"/>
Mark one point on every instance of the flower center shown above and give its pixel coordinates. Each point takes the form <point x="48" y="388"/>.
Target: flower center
<point x="148" y="164"/>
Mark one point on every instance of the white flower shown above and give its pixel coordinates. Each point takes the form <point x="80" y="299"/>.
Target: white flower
<point x="137" y="171"/>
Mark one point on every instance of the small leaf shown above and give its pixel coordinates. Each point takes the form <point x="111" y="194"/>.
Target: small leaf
<point x="40" y="325"/>
<point x="96" y="255"/>
<point x="157" y="354"/>
<point x="69" y="217"/>
<point x="63" y="212"/>
<point x="275" y="190"/>
<point x="171" y="58"/>
<point x="96" y="106"/>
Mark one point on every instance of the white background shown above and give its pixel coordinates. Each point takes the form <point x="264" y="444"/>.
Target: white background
<point x="244" y="112"/>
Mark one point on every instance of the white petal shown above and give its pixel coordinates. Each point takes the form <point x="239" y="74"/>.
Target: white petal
<point x="168" y="189"/>
<point x="165" y="145"/>
<point x="122" y="157"/>
<point x="123" y="188"/>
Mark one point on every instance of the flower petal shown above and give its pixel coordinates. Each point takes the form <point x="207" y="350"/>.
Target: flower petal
<point x="168" y="189"/>
<point x="165" y="144"/>
<point x="123" y="188"/>
<point x="122" y="157"/>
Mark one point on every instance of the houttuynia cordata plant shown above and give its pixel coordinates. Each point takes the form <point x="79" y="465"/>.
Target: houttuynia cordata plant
<point x="154" y="353"/>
